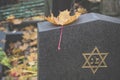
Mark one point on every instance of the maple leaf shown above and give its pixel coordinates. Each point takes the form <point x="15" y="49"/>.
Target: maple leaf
<point x="38" y="18"/>
<point x="63" y="18"/>
<point x="16" y="21"/>
<point x="16" y="51"/>
<point x="81" y="10"/>
<point x="32" y="58"/>
<point x="4" y="59"/>
<point x="23" y="47"/>
<point x="34" y="49"/>
<point x="14" y="71"/>
<point x="26" y="36"/>
<point x="29" y="28"/>
<point x="33" y="35"/>
<point x="10" y="17"/>
<point x="3" y="29"/>
<point x="33" y="43"/>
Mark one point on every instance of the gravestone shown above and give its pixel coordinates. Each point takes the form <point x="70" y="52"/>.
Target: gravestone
<point x="12" y="37"/>
<point x="0" y="71"/>
<point x="2" y="39"/>
<point x="2" y="45"/>
<point x="90" y="49"/>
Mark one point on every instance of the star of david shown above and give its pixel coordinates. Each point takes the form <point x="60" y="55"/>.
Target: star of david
<point x="95" y="60"/>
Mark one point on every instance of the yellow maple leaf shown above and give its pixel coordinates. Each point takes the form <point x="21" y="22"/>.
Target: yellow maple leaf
<point x="63" y="18"/>
<point x="10" y="17"/>
<point x="32" y="58"/>
<point x="28" y="28"/>
<point x="16" y="21"/>
<point x="81" y="10"/>
<point x="23" y="47"/>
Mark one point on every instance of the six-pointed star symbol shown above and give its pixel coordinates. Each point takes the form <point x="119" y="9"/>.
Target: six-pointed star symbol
<point x="95" y="60"/>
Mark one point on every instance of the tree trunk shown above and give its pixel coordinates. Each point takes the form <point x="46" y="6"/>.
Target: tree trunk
<point x="48" y="7"/>
<point x="118" y="7"/>
<point x="60" y="5"/>
<point x="109" y="7"/>
<point x="55" y="6"/>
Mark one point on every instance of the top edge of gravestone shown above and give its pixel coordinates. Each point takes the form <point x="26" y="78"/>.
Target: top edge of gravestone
<point x="14" y="33"/>
<point x="88" y="17"/>
<point x="2" y="35"/>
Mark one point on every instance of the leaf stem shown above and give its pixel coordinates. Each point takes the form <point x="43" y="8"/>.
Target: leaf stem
<point x="60" y="39"/>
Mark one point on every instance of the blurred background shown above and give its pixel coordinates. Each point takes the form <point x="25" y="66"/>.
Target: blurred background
<point x="28" y="8"/>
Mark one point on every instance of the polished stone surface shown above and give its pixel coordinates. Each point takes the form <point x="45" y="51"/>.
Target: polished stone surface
<point x="90" y="49"/>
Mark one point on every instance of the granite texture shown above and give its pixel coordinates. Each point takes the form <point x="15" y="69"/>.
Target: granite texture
<point x="90" y="31"/>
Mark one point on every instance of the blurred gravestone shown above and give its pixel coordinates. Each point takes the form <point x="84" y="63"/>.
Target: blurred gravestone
<point x="2" y="39"/>
<point x="2" y="45"/>
<point x="90" y="49"/>
<point x="0" y="71"/>
<point x="48" y="7"/>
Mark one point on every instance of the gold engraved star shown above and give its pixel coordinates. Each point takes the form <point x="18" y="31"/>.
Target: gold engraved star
<point x="95" y="60"/>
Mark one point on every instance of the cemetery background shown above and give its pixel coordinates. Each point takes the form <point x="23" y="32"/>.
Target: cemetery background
<point x="19" y="35"/>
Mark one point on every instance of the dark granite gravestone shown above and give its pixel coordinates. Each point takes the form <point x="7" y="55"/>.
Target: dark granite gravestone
<point x="12" y="37"/>
<point x="90" y="49"/>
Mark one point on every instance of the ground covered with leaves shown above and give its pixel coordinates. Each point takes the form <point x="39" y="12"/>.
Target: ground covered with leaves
<point x="21" y="56"/>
